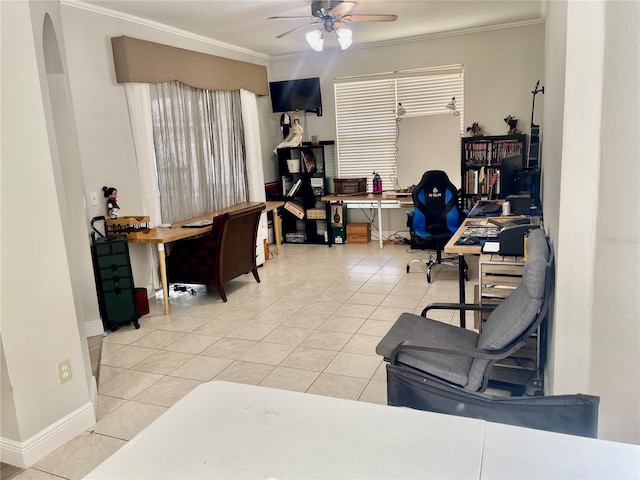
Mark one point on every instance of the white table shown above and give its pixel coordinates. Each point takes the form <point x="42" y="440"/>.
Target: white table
<point x="227" y="430"/>
<point x="369" y="200"/>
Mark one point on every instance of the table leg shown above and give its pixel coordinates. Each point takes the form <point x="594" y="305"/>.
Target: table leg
<point x="380" y="222"/>
<point x="276" y="228"/>
<point x="462" y="297"/>
<point x="163" y="277"/>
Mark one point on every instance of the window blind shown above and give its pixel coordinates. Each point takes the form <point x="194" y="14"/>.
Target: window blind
<point x="366" y="124"/>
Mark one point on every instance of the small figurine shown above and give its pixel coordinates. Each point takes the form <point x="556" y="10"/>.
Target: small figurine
<point x="512" y="122"/>
<point x="111" y="194"/>
<point x="476" y="130"/>
<point x="295" y="137"/>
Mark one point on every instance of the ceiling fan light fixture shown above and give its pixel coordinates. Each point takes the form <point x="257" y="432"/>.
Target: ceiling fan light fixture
<point x="344" y="37"/>
<point x="315" y="38"/>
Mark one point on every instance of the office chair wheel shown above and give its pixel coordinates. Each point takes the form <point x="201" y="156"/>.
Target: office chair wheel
<point x="136" y="324"/>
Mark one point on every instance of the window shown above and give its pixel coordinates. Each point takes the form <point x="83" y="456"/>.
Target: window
<point x="366" y="122"/>
<point x="199" y="148"/>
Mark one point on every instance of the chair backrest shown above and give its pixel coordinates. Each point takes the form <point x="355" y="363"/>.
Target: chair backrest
<point x="520" y="314"/>
<point x="436" y="210"/>
<point x="236" y="254"/>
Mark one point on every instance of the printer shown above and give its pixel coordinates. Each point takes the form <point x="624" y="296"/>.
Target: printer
<point x="511" y="237"/>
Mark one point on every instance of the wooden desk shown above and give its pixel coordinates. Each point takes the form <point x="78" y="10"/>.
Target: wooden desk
<point x="230" y="430"/>
<point x="387" y="198"/>
<point x="160" y="236"/>
<point x="463" y="250"/>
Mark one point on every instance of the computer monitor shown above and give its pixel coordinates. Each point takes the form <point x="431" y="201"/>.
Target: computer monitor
<point x="510" y="175"/>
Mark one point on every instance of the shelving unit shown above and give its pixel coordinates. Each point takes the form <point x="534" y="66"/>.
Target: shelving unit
<point x="311" y="167"/>
<point x="481" y="158"/>
<point x="499" y="276"/>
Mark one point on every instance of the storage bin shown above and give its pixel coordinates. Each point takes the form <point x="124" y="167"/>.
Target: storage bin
<point x="316" y="213"/>
<point x="350" y="185"/>
<point x="358" y="233"/>
<point x="296" y="237"/>
<point x="142" y="301"/>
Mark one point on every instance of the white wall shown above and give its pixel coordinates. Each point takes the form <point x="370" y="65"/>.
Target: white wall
<point x="501" y="68"/>
<point x="39" y="318"/>
<point x="428" y="143"/>
<point x="592" y="207"/>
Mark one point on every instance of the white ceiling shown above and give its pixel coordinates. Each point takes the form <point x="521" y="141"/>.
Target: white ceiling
<point x="243" y="24"/>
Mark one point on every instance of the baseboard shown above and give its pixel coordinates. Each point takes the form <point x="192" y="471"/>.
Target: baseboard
<point x="93" y="328"/>
<point x="24" y="454"/>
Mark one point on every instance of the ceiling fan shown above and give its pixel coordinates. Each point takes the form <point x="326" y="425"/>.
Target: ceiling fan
<point x="332" y="16"/>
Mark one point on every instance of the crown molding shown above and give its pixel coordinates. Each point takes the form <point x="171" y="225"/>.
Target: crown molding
<point x="419" y="38"/>
<point x="160" y="26"/>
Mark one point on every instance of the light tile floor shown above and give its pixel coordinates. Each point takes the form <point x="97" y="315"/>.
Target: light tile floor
<point x="311" y="325"/>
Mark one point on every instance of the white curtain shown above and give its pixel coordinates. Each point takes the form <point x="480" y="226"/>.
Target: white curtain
<point x="139" y="104"/>
<point x="253" y="146"/>
<point x="199" y="145"/>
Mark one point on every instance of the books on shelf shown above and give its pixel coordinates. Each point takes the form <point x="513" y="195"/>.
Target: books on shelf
<point x="308" y="161"/>
<point x="287" y="182"/>
<point x="295" y="208"/>
<point x="294" y="188"/>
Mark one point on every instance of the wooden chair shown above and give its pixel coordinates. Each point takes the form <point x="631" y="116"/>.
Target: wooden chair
<point x="219" y="256"/>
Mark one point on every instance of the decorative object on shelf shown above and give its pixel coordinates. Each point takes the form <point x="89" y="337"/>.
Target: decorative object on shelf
<point x="476" y="130"/>
<point x="295" y="136"/>
<point x="512" y="122"/>
<point x="285" y="124"/>
<point x="111" y="194"/>
<point x="452" y="106"/>
<point x="126" y="225"/>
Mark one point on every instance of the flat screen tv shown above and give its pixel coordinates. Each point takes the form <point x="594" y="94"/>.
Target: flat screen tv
<point x="301" y="95"/>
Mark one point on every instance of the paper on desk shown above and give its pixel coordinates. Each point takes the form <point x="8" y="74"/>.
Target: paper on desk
<point x="491" y="247"/>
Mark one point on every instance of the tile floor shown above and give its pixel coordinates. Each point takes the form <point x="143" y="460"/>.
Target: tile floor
<point x="311" y="325"/>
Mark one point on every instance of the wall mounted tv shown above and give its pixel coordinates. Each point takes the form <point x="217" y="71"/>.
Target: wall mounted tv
<point x="291" y="95"/>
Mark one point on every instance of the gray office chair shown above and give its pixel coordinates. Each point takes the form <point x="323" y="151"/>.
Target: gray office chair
<point x="464" y="357"/>
<point x="442" y="368"/>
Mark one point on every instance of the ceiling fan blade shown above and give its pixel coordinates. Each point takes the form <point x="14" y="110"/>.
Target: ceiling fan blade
<point x="306" y="17"/>
<point x="342" y="8"/>
<point x="301" y="27"/>
<point x="369" y="18"/>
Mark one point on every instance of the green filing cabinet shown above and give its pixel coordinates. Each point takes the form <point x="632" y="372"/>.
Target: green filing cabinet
<point x="114" y="282"/>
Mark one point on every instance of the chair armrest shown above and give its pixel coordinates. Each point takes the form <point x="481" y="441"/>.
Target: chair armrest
<point x="457" y="306"/>
<point x="410" y="219"/>
<point x="463" y="351"/>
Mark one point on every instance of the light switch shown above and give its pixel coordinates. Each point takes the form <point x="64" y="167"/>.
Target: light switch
<point x="94" y="198"/>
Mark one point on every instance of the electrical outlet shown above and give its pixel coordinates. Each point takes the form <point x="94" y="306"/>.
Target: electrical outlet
<point x="64" y="371"/>
<point x="94" y="198"/>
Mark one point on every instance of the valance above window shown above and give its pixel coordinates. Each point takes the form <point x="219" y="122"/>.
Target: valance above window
<point x="140" y="61"/>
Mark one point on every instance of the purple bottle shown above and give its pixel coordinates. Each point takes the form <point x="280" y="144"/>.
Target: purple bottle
<point x="377" y="183"/>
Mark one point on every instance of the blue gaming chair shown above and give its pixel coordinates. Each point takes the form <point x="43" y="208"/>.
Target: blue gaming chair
<point x="435" y="218"/>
